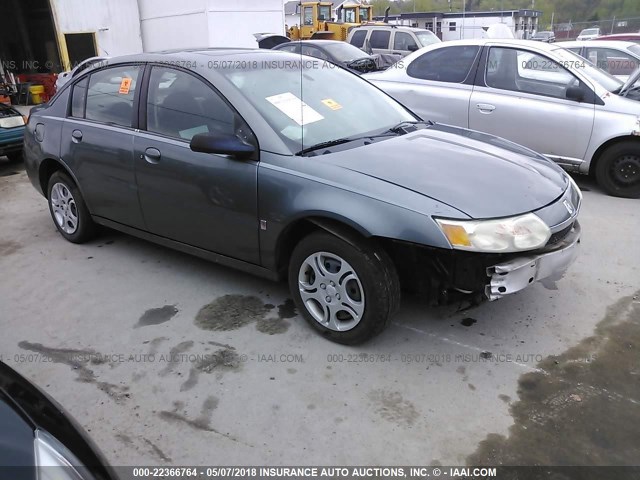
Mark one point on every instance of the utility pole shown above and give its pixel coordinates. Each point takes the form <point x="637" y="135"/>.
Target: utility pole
<point x="464" y="7"/>
<point x="552" y="15"/>
<point x="613" y="22"/>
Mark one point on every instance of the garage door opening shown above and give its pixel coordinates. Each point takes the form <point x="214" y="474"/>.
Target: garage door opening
<point x="28" y="38"/>
<point x="80" y="46"/>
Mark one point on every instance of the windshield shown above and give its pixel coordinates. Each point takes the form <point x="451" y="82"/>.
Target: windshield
<point x="589" y="31"/>
<point x="542" y="35"/>
<point x="307" y="102"/>
<point x="324" y="13"/>
<point x="606" y="80"/>
<point x="344" y="52"/>
<point x="635" y="49"/>
<point x="426" y="37"/>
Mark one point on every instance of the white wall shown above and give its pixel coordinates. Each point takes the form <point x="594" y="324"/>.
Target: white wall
<point x="115" y="22"/>
<point x="232" y="24"/>
<point x="170" y="24"/>
<point x="292" y="19"/>
<point x="473" y="26"/>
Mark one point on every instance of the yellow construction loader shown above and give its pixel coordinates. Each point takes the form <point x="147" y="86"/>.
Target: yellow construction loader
<point x="316" y="20"/>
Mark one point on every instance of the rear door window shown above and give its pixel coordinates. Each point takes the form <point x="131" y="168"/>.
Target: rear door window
<point x="110" y="95"/>
<point x="449" y="64"/>
<point x="380" y="39"/>
<point x="358" y="37"/>
<point x="403" y="41"/>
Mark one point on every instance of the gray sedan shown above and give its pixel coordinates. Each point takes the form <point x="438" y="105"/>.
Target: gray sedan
<point x="535" y="94"/>
<point x="278" y="165"/>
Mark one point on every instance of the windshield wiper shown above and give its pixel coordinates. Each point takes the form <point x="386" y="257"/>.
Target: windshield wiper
<point x="340" y="141"/>
<point x="391" y="132"/>
<point x="399" y="128"/>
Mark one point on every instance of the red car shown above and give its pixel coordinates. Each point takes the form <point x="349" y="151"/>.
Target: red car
<point x="627" y="37"/>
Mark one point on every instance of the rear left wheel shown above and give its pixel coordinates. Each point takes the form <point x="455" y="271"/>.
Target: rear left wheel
<point x="68" y="210"/>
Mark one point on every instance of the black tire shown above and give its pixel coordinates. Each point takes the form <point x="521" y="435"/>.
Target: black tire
<point x="377" y="276"/>
<point x="85" y="229"/>
<point x="15" y="157"/>
<point x="618" y="170"/>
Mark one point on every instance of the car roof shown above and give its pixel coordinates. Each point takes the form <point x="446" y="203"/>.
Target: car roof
<point x="620" y="44"/>
<point x="201" y="54"/>
<point x="316" y="42"/>
<point x="619" y="35"/>
<point x="391" y="26"/>
<point x="503" y="41"/>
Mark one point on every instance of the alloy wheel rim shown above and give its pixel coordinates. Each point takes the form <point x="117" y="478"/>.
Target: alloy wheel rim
<point x="626" y="170"/>
<point x="331" y="291"/>
<point x="65" y="210"/>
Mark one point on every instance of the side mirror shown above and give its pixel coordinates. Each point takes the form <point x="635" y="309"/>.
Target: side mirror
<point x="413" y="47"/>
<point x="575" y="93"/>
<point x="221" y="144"/>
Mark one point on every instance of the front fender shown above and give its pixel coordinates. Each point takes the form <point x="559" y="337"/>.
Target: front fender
<point x="369" y="206"/>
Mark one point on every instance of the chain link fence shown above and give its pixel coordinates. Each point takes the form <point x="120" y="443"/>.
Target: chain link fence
<point x="570" y="30"/>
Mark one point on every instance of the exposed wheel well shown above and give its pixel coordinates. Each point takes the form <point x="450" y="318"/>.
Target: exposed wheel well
<point x="47" y="168"/>
<point x="602" y="148"/>
<point x="299" y="229"/>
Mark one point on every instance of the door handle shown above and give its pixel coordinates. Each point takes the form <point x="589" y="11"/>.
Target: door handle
<point x="485" y="107"/>
<point x="76" y="136"/>
<point x="152" y="155"/>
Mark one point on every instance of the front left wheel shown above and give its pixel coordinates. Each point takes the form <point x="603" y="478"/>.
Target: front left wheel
<point x="618" y="170"/>
<point x="348" y="291"/>
<point x="68" y="210"/>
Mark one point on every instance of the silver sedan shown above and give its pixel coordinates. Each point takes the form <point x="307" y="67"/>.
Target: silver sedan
<point x="538" y="95"/>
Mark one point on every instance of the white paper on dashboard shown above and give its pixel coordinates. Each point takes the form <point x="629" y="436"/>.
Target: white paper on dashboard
<point x="294" y="108"/>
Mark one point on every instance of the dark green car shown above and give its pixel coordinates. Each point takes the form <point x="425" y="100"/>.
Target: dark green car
<point x="290" y="167"/>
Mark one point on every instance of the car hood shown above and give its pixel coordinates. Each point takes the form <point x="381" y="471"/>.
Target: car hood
<point x="478" y="174"/>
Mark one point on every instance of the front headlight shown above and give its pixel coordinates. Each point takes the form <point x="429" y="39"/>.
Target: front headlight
<point x="503" y="235"/>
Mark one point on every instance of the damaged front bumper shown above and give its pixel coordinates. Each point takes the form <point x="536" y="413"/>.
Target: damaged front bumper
<point x="517" y="274"/>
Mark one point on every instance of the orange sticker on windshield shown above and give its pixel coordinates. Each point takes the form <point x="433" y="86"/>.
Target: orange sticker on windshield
<point x="332" y="104"/>
<point x="125" y="86"/>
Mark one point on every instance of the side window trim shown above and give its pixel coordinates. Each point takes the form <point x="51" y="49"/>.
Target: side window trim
<point x="471" y="74"/>
<point x="145" y="97"/>
<point x="590" y="98"/>
<point x="72" y="89"/>
<point x="134" y="118"/>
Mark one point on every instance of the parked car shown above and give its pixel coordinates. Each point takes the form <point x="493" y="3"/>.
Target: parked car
<point x="625" y="37"/>
<point x="340" y="53"/>
<point x="618" y="58"/>
<point x="11" y="132"/>
<point x="39" y="440"/>
<point x="589" y="34"/>
<point x="397" y="40"/>
<point x="64" y="77"/>
<point x="546" y="36"/>
<point x="286" y="170"/>
<point x="539" y="95"/>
